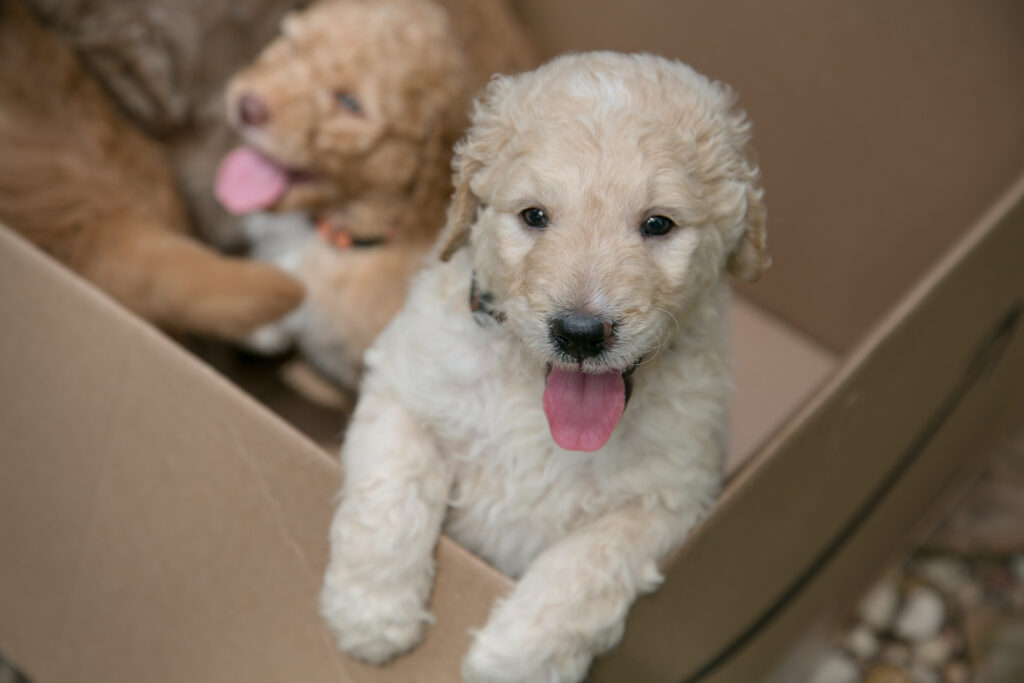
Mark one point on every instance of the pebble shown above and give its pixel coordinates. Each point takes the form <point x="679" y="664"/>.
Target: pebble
<point x="1016" y="598"/>
<point x="954" y="637"/>
<point x="956" y="672"/>
<point x="981" y="627"/>
<point x="879" y="606"/>
<point x="933" y="652"/>
<point x="886" y="674"/>
<point x="998" y="580"/>
<point x="862" y="643"/>
<point x="1003" y="663"/>
<point x="948" y="574"/>
<point x="7" y="674"/>
<point x="896" y="654"/>
<point x="835" y="668"/>
<point x="922" y="615"/>
<point x="1017" y="568"/>
<point x="969" y="594"/>
<point x="924" y="674"/>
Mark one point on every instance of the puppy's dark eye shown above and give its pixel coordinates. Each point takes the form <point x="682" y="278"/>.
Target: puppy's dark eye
<point x="656" y="225"/>
<point x="348" y="101"/>
<point x="534" y="217"/>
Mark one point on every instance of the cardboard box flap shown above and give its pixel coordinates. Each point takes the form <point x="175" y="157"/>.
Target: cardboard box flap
<point x="775" y="369"/>
<point x="837" y="459"/>
<point x="121" y="451"/>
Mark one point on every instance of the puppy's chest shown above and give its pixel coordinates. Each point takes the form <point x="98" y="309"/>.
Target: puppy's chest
<point x="513" y="492"/>
<point x="508" y="506"/>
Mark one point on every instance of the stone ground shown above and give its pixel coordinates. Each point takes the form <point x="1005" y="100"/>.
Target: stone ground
<point x="954" y="611"/>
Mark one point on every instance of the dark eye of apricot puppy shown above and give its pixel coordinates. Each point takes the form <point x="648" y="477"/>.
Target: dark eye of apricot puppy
<point x="656" y="225"/>
<point x="348" y="101"/>
<point x="534" y="217"/>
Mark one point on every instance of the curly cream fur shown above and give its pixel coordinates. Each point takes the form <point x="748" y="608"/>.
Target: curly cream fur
<point x="413" y="67"/>
<point x="449" y="431"/>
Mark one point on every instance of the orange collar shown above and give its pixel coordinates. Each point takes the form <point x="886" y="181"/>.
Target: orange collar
<point x="338" y="236"/>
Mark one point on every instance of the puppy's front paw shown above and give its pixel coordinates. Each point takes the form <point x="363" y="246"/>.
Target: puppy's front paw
<point x="496" y="658"/>
<point x="372" y="626"/>
<point x="268" y="340"/>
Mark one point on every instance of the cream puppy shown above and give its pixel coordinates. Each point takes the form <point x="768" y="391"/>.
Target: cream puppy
<point x="554" y="394"/>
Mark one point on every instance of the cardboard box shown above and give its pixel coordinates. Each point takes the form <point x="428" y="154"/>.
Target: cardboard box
<point x="157" y="524"/>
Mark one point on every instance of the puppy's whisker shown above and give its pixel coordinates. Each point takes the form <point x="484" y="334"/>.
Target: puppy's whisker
<point x="673" y="317"/>
<point x="665" y="337"/>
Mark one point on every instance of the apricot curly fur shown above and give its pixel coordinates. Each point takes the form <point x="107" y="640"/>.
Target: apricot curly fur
<point x="383" y="172"/>
<point x="85" y="186"/>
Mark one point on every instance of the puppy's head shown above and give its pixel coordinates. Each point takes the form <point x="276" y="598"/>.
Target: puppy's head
<point x="601" y="196"/>
<point x="353" y="95"/>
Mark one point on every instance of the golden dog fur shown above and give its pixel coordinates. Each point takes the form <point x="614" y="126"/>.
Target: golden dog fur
<point x="81" y="183"/>
<point x="413" y="66"/>
<point x="382" y="171"/>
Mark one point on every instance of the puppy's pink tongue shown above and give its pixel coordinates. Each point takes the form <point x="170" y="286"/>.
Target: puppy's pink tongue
<point x="583" y="409"/>
<point x="248" y="181"/>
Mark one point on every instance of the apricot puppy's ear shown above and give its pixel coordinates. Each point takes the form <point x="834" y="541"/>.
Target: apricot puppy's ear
<point x="749" y="259"/>
<point x="461" y="211"/>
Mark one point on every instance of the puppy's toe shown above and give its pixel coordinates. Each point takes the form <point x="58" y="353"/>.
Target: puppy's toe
<point x="507" y="662"/>
<point x="373" y="630"/>
<point x="268" y="340"/>
<point x="379" y="643"/>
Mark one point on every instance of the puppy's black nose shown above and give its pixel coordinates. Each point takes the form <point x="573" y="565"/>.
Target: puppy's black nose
<point x="252" y="111"/>
<point x="580" y="335"/>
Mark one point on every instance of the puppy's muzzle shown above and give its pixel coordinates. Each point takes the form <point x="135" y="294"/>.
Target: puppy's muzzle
<point x="580" y="335"/>
<point x="252" y="111"/>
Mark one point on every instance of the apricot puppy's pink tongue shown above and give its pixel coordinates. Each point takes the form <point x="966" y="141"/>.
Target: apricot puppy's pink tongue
<point x="582" y="409"/>
<point x="248" y="181"/>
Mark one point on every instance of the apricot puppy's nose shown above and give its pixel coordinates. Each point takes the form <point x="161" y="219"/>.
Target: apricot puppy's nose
<point x="252" y="111"/>
<point x="580" y="335"/>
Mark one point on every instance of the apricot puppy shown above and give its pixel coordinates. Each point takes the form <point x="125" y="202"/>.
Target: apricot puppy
<point x="83" y="184"/>
<point x="348" y="120"/>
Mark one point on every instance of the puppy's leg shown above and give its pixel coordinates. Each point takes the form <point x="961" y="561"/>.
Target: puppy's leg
<point x="180" y="284"/>
<point x="572" y="602"/>
<point x="384" y="531"/>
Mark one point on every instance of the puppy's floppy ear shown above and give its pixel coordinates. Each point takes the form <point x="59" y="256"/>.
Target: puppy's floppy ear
<point x="487" y="136"/>
<point x="749" y="256"/>
<point x="461" y="211"/>
<point x="749" y="259"/>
